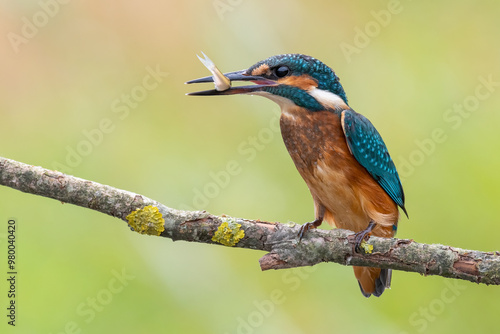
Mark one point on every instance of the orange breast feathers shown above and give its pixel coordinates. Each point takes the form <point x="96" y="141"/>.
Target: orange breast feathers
<point x="337" y="181"/>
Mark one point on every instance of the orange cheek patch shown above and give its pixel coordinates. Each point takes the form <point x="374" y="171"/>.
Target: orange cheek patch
<point x="304" y="82"/>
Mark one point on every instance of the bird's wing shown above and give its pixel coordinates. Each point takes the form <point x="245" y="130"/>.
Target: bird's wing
<point x="370" y="151"/>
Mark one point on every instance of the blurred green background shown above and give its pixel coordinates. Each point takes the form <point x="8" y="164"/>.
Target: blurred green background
<point x="76" y="96"/>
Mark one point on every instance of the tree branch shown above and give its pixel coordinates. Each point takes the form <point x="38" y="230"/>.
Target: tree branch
<point x="279" y="240"/>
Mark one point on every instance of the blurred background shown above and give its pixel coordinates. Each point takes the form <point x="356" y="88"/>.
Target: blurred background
<point x="96" y="89"/>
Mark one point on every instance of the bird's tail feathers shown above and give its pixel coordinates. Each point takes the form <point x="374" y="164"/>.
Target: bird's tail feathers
<point x="373" y="281"/>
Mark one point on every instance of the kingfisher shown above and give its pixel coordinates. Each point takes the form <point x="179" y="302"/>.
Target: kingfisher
<point x="338" y="152"/>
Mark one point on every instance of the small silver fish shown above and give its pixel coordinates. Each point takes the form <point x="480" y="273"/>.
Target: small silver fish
<point x="221" y="82"/>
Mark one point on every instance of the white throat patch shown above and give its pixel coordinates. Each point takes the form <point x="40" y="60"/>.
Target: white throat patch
<point x="328" y="99"/>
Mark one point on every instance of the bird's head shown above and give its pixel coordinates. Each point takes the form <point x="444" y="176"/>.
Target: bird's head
<point x="288" y="79"/>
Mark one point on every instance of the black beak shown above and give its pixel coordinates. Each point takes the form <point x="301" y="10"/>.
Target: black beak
<point x="234" y="76"/>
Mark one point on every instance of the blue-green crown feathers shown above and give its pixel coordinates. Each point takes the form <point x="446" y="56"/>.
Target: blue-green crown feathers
<point x="301" y="64"/>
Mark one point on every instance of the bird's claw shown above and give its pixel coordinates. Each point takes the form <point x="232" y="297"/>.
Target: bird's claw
<point x="361" y="236"/>
<point x="307" y="226"/>
<point x="303" y="229"/>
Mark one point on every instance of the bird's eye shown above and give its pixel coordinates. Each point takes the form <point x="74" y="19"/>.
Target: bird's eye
<point x="281" y="71"/>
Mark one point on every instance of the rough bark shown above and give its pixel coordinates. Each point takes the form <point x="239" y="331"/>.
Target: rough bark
<point x="278" y="240"/>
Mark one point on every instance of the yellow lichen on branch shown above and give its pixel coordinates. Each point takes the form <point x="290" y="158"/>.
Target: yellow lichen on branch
<point x="228" y="233"/>
<point x="147" y="220"/>
<point x="367" y="248"/>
